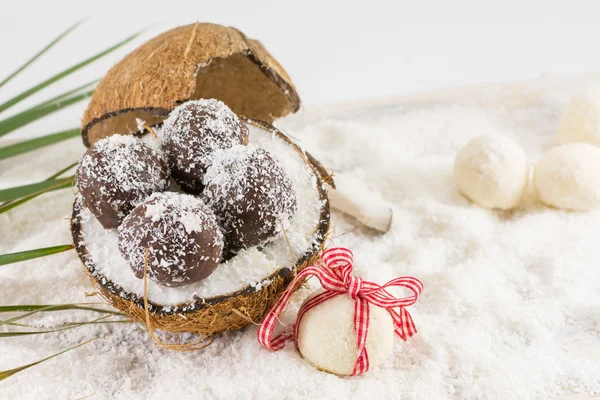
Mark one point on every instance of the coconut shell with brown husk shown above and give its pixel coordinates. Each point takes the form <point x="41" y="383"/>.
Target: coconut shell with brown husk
<point x="217" y="304"/>
<point x="189" y="62"/>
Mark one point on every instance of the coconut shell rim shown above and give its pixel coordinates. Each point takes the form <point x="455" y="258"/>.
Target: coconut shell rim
<point x="113" y="289"/>
<point x="286" y="88"/>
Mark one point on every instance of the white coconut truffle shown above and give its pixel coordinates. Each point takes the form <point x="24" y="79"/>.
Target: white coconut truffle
<point x="492" y="171"/>
<point x="580" y="121"/>
<point x="327" y="338"/>
<point x="568" y="177"/>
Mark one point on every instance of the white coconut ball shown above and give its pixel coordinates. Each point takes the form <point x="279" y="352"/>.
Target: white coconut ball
<point x="492" y="171"/>
<point x="580" y="121"/>
<point x="568" y="176"/>
<point x="327" y="338"/>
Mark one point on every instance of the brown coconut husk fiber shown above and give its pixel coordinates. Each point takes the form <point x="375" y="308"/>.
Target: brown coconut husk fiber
<point x="189" y="62"/>
<point x="198" y="345"/>
<point x="211" y="315"/>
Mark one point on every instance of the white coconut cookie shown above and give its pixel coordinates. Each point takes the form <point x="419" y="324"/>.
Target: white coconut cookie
<point x="327" y="336"/>
<point x="492" y="171"/>
<point x="568" y="176"/>
<point x="580" y="120"/>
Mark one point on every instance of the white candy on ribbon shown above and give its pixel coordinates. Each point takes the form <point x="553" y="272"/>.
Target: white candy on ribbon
<point x="335" y="276"/>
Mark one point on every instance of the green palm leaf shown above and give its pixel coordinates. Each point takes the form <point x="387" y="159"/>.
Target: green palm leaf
<point x="41" y="110"/>
<point x="40" y="53"/>
<point x="15" y="196"/>
<point x="63" y="74"/>
<point x="56" y="307"/>
<point x="34" y="144"/>
<point x="72" y="325"/>
<point x="65" y="324"/>
<point x="35" y="188"/>
<point x="9" y="205"/>
<point x="31" y="254"/>
<point x="10" y="372"/>
<point x="70" y="93"/>
<point x="61" y="327"/>
<point x="62" y="171"/>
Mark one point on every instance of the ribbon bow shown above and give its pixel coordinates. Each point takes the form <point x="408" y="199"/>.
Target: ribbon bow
<point x="335" y="276"/>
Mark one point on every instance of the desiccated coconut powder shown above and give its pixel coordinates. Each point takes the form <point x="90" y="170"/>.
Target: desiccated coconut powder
<point x="510" y="310"/>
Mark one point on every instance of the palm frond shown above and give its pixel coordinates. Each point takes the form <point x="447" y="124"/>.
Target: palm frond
<point x="41" y="110"/>
<point x="12" y="197"/>
<point x="62" y="327"/>
<point x="61" y="97"/>
<point x="10" y="372"/>
<point x="35" y="188"/>
<point x="41" y="52"/>
<point x="55" y="307"/>
<point x="31" y="254"/>
<point x="34" y="144"/>
<point x="62" y="171"/>
<point x="67" y="72"/>
<point x="9" y="205"/>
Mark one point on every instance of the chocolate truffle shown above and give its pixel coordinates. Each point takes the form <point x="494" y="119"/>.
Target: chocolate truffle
<point x="192" y="132"/>
<point x="251" y="195"/>
<point x="181" y="234"/>
<point x="116" y="174"/>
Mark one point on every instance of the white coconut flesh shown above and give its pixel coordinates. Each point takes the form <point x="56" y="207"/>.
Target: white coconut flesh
<point x="250" y="267"/>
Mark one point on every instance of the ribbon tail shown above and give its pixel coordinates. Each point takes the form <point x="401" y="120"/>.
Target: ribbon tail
<point x="361" y="324"/>
<point x="404" y="325"/>
<point x="409" y="325"/>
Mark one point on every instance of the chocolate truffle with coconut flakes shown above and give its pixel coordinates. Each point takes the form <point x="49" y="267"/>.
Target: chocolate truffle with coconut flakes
<point x="192" y="132"/>
<point x="251" y="196"/>
<point x="116" y="174"/>
<point x="180" y="235"/>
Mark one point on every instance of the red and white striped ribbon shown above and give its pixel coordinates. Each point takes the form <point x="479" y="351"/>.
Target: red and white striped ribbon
<point x="335" y="275"/>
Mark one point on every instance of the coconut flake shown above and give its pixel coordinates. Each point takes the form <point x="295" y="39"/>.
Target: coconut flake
<point x="184" y="128"/>
<point x="233" y="179"/>
<point x="121" y="165"/>
<point x="141" y="124"/>
<point x="119" y="172"/>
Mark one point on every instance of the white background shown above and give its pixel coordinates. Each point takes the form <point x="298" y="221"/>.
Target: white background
<point x="334" y="51"/>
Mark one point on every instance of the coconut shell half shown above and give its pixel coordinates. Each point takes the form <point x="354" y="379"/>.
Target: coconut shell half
<point x="189" y="62"/>
<point x="222" y="313"/>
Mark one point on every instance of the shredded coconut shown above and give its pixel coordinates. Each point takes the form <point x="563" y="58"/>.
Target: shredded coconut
<point x="251" y="194"/>
<point x="141" y="124"/>
<point x="181" y="235"/>
<point x="117" y="173"/>
<point x="510" y="308"/>
<point x="192" y="132"/>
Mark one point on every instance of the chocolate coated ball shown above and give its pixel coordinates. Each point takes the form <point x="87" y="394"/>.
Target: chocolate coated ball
<point x="251" y="195"/>
<point x="116" y="174"/>
<point x="192" y="132"/>
<point x="180" y="234"/>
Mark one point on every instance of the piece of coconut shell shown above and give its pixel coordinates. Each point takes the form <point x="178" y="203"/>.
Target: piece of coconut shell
<point x="189" y="62"/>
<point x="217" y="314"/>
